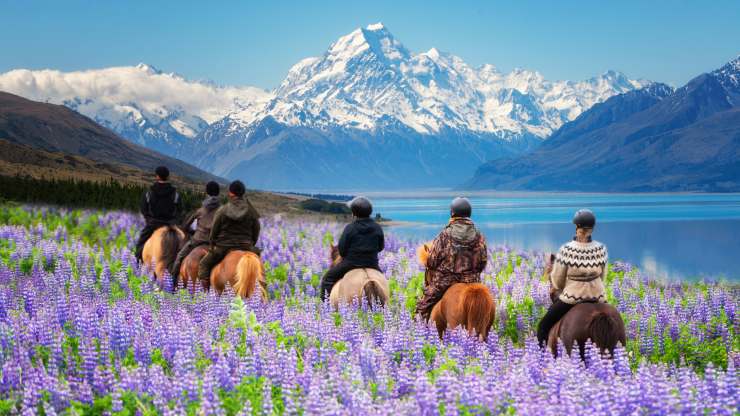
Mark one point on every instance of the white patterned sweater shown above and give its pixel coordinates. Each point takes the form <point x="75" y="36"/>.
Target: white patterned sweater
<point x="579" y="270"/>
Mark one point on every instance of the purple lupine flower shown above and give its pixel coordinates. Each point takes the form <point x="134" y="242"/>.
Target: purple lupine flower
<point x="357" y="367"/>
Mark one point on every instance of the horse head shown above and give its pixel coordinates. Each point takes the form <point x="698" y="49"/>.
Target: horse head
<point x="554" y="293"/>
<point x="334" y="255"/>
<point x="422" y="253"/>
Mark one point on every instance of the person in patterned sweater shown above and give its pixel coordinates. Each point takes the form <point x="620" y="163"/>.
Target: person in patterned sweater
<point x="458" y="255"/>
<point x="577" y="273"/>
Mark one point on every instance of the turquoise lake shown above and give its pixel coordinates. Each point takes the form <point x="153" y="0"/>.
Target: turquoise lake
<point x="674" y="236"/>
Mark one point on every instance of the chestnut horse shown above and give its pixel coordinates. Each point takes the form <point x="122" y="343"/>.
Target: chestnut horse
<point x="240" y="269"/>
<point x="366" y="283"/>
<point x="599" y="322"/>
<point x="188" y="276"/>
<point x="161" y="249"/>
<point x="468" y="304"/>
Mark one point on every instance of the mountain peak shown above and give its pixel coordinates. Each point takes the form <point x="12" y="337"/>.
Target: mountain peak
<point x="433" y="53"/>
<point x="149" y="69"/>
<point x="610" y="73"/>
<point x="731" y="67"/>
<point x="735" y="62"/>
<point x="374" y="38"/>
<point x="729" y="76"/>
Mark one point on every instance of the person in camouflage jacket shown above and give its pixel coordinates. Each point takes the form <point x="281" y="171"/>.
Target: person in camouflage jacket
<point x="458" y="255"/>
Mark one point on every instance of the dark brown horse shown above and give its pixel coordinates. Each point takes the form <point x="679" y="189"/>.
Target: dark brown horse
<point x="161" y="249"/>
<point x="468" y="304"/>
<point x="599" y="322"/>
<point x="366" y="283"/>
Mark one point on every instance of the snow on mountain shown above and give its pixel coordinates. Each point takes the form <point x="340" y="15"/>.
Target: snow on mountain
<point x="655" y="139"/>
<point x="729" y="76"/>
<point x="368" y="76"/>
<point x="143" y="104"/>
<point x="367" y="97"/>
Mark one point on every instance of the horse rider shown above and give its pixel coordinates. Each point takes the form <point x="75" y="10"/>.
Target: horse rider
<point x="236" y="226"/>
<point x="578" y="271"/>
<point x="160" y="205"/>
<point x="458" y="255"/>
<point x="203" y="219"/>
<point x="359" y="245"/>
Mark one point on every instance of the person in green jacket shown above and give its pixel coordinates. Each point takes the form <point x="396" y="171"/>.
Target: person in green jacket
<point x="236" y="226"/>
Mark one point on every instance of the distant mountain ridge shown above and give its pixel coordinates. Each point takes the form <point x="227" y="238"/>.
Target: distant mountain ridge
<point x="162" y="111"/>
<point x="57" y="129"/>
<point x="366" y="113"/>
<point x="652" y="139"/>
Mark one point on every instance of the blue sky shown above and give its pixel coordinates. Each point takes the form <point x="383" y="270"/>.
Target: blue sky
<point x="255" y="43"/>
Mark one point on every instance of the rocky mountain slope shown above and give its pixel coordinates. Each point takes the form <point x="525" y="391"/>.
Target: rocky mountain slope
<point x="653" y="139"/>
<point x="57" y="129"/>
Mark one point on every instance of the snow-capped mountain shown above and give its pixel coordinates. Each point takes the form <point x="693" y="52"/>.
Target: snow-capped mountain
<point x="367" y="106"/>
<point x="159" y="110"/>
<point x="368" y="76"/>
<point x="652" y="139"/>
<point x="370" y="113"/>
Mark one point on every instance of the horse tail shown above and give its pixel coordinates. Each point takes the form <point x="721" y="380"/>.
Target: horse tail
<point x="171" y="245"/>
<point x="248" y="273"/>
<point x="373" y="293"/>
<point x="478" y="309"/>
<point x="604" y="331"/>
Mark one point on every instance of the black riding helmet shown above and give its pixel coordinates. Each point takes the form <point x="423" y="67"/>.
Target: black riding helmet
<point x="361" y="207"/>
<point x="460" y="207"/>
<point x="584" y="218"/>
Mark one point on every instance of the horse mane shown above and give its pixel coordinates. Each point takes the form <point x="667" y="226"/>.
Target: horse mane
<point x="422" y="253"/>
<point x="373" y="293"/>
<point x="478" y="303"/>
<point x="171" y="245"/>
<point x="248" y="272"/>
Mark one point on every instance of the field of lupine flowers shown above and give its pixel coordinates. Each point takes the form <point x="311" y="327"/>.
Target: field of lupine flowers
<point x="83" y="330"/>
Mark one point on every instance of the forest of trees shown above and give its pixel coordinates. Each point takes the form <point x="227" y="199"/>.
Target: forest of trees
<point x="110" y="194"/>
<point x="326" y="207"/>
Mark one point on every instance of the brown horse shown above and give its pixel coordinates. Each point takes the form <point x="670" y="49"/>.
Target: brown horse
<point x="599" y="322"/>
<point x="240" y="269"/>
<point x="161" y="249"/>
<point x="366" y="283"/>
<point x="189" y="269"/>
<point x="468" y="304"/>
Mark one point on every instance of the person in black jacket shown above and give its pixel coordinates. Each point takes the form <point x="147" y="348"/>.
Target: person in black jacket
<point x="359" y="245"/>
<point x="160" y="206"/>
<point x="236" y="226"/>
<point x="202" y="218"/>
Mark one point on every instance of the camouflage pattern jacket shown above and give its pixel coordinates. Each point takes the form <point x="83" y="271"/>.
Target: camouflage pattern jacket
<point x="458" y="255"/>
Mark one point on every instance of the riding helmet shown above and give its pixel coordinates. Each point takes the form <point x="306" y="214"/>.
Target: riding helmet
<point x="361" y="207"/>
<point x="460" y="207"/>
<point x="584" y="218"/>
